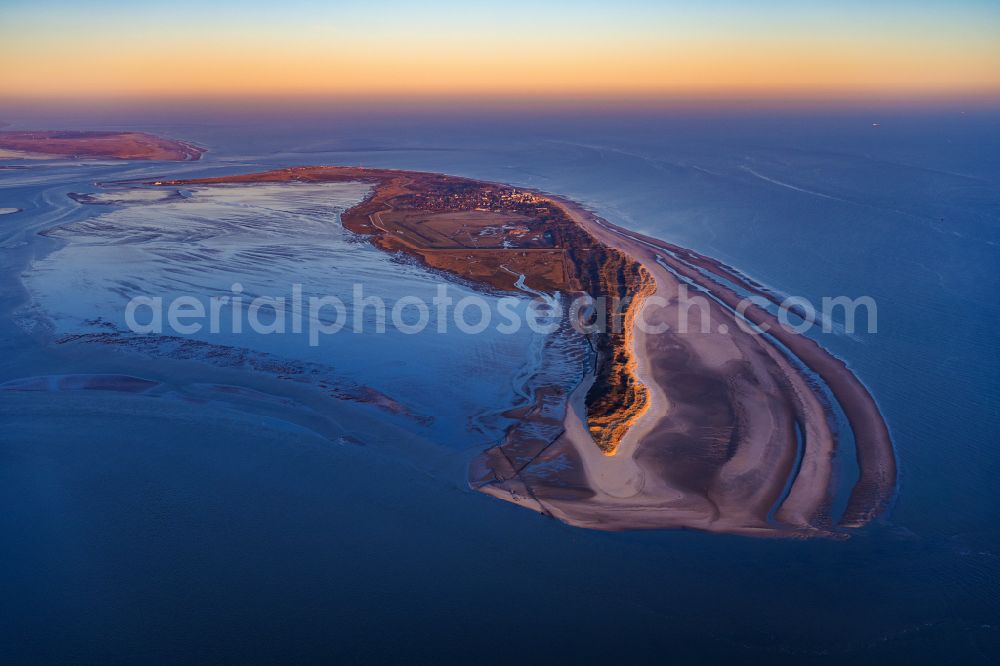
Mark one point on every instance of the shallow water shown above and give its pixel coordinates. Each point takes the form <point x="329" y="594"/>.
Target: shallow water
<point x="267" y="239"/>
<point x="178" y="524"/>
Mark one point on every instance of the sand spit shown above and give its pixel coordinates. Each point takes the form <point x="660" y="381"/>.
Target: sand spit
<point x="735" y="438"/>
<point x="717" y="429"/>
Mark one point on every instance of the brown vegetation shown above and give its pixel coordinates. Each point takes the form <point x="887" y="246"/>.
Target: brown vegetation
<point x="108" y="145"/>
<point x="491" y="234"/>
<point x="735" y="435"/>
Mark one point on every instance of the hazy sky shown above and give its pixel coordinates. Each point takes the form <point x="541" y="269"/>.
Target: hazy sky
<point x="617" y="48"/>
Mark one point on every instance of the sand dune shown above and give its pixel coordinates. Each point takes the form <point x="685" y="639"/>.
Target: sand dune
<point x="708" y="426"/>
<point x="735" y="437"/>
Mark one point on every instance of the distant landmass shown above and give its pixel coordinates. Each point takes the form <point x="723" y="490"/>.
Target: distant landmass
<point x="103" y="145"/>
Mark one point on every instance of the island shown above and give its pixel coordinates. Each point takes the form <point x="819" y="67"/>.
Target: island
<point x="99" y="145"/>
<point x="723" y="428"/>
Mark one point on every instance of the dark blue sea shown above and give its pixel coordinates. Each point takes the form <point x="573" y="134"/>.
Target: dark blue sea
<point x="241" y="524"/>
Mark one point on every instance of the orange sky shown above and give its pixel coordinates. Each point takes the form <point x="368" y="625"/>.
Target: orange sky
<point x="49" y="49"/>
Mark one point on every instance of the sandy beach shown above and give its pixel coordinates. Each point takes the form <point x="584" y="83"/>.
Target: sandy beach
<point x="688" y="418"/>
<point x="734" y="438"/>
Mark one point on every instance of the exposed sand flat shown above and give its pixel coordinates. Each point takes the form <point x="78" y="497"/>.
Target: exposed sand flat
<point x="440" y="220"/>
<point x="126" y="196"/>
<point x="717" y="445"/>
<point x="876" y="486"/>
<point x="691" y="419"/>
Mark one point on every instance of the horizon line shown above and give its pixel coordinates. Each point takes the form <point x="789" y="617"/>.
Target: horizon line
<point x="777" y="98"/>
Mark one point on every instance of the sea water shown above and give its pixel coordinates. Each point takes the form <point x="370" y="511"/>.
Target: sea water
<point x="214" y="536"/>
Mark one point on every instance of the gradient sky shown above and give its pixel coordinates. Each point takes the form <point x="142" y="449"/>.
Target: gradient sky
<point x="622" y="48"/>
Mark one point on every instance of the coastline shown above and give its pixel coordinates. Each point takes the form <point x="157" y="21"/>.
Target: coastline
<point x="495" y="237"/>
<point x="805" y="504"/>
<point x="718" y="430"/>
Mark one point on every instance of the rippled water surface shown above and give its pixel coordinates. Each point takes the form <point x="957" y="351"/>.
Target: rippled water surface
<point x="266" y="239"/>
<point x="231" y="511"/>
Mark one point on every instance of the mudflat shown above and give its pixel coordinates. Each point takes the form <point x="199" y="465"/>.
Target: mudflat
<point x="715" y="426"/>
